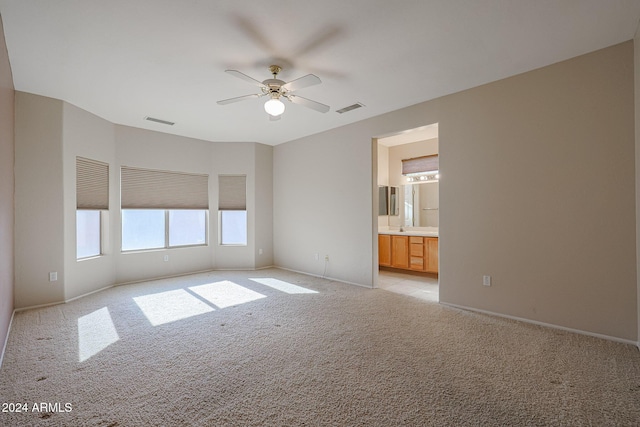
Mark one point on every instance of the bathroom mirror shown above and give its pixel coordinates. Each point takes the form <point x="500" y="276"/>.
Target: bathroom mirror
<point x="388" y="200"/>
<point x="421" y="204"/>
<point x="383" y="200"/>
<point x="394" y="204"/>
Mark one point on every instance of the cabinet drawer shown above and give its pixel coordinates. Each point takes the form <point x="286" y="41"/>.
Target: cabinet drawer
<point x="416" y="250"/>
<point x="415" y="239"/>
<point x="417" y="263"/>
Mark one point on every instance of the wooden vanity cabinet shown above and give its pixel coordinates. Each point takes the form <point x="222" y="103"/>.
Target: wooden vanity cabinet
<point x="400" y="251"/>
<point x="431" y="244"/>
<point x="384" y="250"/>
<point x="415" y="253"/>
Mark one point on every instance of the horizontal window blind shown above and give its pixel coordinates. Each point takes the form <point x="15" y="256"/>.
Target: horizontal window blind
<point x="92" y="184"/>
<point x="420" y="164"/>
<point x="232" y="194"/>
<point x="158" y="189"/>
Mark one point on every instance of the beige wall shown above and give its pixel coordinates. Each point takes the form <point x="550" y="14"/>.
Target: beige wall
<point x="637" y="162"/>
<point x="39" y="196"/>
<point x="537" y="191"/>
<point x="539" y="194"/>
<point x="6" y="191"/>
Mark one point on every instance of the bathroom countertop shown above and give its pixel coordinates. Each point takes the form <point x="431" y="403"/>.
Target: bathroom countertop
<point x="410" y="231"/>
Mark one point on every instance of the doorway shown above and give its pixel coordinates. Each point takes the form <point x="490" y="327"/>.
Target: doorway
<point x="407" y="235"/>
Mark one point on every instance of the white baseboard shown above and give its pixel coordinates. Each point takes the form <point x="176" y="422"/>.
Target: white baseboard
<point x="31" y="307"/>
<point x="6" y="339"/>
<point x="548" y="325"/>
<point x="89" y="293"/>
<point x="324" y="277"/>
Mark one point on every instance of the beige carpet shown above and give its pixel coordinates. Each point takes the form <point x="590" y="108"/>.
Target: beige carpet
<point x="220" y="349"/>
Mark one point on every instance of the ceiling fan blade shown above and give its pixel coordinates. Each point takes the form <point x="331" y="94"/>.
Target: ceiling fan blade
<point x="239" y="98"/>
<point x="302" y="82"/>
<point x="274" y="118"/>
<point x="308" y="103"/>
<point x="244" y="77"/>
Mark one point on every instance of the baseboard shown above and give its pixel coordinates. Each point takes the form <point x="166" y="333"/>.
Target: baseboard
<point x="89" y="293"/>
<point x="50" y="304"/>
<point x="6" y="339"/>
<point x="244" y="268"/>
<point x="324" y="277"/>
<point x="169" y="276"/>
<point x="548" y="325"/>
<point x="31" y="307"/>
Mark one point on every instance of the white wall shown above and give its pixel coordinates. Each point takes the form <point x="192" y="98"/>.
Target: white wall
<point x="396" y="155"/>
<point x="88" y="136"/>
<point x="323" y="204"/>
<point x="7" y="106"/>
<point x="50" y="134"/>
<point x="408" y="151"/>
<point x="537" y="190"/>
<point x="155" y="150"/>
<point x="263" y="206"/>
<point x="236" y="159"/>
<point x="383" y="177"/>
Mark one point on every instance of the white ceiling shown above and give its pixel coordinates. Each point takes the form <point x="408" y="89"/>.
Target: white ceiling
<point x="127" y="59"/>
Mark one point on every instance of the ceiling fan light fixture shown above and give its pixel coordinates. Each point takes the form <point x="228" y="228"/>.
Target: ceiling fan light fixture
<point x="274" y="107"/>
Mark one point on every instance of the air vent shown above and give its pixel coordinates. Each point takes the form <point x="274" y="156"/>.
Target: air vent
<point x="350" y="107"/>
<point x="164" y="122"/>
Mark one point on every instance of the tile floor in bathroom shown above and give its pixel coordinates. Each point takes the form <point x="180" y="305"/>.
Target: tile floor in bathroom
<point x="420" y="286"/>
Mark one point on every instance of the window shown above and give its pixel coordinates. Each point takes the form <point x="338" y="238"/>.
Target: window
<point x="187" y="227"/>
<point x="88" y="242"/>
<point x="163" y="209"/>
<point x="92" y="199"/>
<point x="232" y="208"/>
<point x="233" y="227"/>
<point x="142" y="229"/>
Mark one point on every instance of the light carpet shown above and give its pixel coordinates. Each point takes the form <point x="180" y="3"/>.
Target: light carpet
<point x="276" y="348"/>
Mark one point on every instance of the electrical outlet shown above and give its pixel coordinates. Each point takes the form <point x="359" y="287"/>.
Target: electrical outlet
<point x="53" y="276"/>
<point x="317" y="256"/>
<point x="326" y="257"/>
<point x="260" y="251"/>
<point x="486" y="280"/>
<point x="166" y="258"/>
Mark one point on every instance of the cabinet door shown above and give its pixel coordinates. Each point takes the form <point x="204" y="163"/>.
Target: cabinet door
<point x="384" y="249"/>
<point x="400" y="251"/>
<point x="432" y="251"/>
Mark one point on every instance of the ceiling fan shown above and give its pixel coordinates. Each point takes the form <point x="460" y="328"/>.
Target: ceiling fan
<point x="277" y="89"/>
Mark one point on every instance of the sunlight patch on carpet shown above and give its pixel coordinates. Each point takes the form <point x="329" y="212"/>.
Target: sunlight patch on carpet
<point x="167" y="307"/>
<point x="283" y="286"/>
<point x="226" y="293"/>
<point x="96" y="332"/>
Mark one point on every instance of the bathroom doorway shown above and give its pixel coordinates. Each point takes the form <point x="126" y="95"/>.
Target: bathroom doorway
<point x="408" y="225"/>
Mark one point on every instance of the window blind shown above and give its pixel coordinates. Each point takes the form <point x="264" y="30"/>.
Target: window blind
<point x="92" y="184"/>
<point x="420" y="164"/>
<point x="158" y="189"/>
<point x="232" y="194"/>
